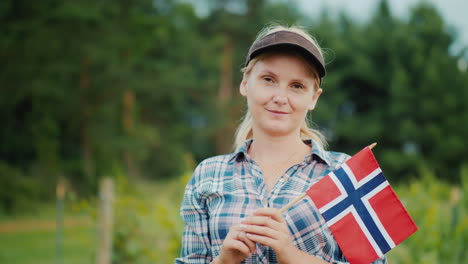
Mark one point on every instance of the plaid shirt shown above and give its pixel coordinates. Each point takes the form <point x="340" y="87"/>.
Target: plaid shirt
<point x="224" y="189"/>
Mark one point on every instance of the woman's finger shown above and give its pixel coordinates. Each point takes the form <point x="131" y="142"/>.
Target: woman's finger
<point x="242" y="236"/>
<point x="233" y="244"/>
<point x="237" y="234"/>
<point x="261" y="230"/>
<point x="239" y="246"/>
<point x="264" y="240"/>
<point x="263" y="221"/>
<point x="270" y="212"/>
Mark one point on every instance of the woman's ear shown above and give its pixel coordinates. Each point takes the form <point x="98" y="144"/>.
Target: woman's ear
<point x="315" y="98"/>
<point x="243" y="87"/>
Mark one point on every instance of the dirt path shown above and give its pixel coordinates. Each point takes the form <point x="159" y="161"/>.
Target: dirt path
<point x="13" y="226"/>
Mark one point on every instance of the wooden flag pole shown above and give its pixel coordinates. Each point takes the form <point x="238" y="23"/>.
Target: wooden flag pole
<point x="302" y="196"/>
<point x="293" y="202"/>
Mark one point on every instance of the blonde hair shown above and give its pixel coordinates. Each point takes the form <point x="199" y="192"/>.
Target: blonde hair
<point x="245" y="131"/>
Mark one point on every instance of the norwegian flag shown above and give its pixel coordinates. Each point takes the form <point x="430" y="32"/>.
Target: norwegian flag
<point x="364" y="214"/>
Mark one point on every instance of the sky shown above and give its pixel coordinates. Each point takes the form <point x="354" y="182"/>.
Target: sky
<point x="454" y="12"/>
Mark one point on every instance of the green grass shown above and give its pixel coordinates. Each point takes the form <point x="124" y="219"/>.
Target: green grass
<point x="39" y="247"/>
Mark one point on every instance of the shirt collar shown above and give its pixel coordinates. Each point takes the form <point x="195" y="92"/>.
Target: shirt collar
<point x="317" y="151"/>
<point x="241" y="151"/>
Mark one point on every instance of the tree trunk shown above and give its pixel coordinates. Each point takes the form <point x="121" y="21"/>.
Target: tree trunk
<point x="225" y="91"/>
<point x="224" y="136"/>
<point x="86" y="144"/>
<point x="128" y="125"/>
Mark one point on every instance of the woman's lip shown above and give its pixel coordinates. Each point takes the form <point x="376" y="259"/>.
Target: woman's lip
<point x="277" y="112"/>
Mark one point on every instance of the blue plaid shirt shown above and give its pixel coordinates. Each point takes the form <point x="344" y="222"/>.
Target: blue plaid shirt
<point x="224" y="189"/>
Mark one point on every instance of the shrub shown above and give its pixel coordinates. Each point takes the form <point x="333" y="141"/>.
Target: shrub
<point x="438" y="209"/>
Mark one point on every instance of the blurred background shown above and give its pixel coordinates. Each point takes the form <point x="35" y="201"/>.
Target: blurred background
<point x="141" y="91"/>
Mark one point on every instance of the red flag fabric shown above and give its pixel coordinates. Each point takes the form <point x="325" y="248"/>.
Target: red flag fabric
<point x="361" y="209"/>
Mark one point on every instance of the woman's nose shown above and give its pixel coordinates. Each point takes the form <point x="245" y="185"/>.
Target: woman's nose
<point x="280" y="96"/>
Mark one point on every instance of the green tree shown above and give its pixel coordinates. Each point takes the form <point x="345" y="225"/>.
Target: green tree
<point x="395" y="82"/>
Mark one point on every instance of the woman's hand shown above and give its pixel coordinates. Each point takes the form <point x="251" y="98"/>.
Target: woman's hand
<point x="267" y="227"/>
<point x="236" y="247"/>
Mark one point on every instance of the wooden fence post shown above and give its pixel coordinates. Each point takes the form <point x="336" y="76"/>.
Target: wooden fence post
<point x="106" y="195"/>
<point x="60" y="193"/>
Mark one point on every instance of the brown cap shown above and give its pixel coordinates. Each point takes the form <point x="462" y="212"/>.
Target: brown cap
<point x="284" y="40"/>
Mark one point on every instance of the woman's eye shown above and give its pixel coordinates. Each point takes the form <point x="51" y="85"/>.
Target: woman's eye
<point x="298" y="86"/>
<point x="268" y="79"/>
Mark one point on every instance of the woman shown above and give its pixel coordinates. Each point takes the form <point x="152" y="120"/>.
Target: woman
<point x="231" y="204"/>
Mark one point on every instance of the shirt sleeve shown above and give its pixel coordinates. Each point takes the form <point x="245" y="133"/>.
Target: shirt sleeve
<point x="196" y="243"/>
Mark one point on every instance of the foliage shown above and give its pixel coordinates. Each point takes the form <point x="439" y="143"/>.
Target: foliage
<point x="16" y="191"/>
<point x="395" y="82"/>
<point x="147" y="224"/>
<point x="440" y="211"/>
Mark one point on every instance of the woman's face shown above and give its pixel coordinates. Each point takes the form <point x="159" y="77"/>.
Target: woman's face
<point x="280" y="89"/>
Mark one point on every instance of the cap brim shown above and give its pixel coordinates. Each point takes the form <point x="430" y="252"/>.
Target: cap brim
<point x="290" y="46"/>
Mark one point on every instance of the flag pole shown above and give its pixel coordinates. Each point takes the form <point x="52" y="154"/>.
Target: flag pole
<point x="302" y="196"/>
<point x="293" y="202"/>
